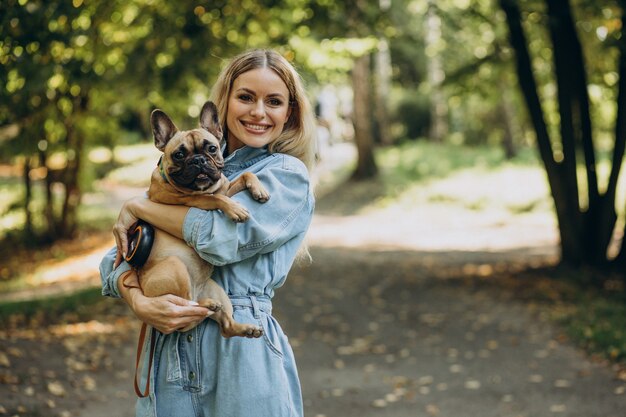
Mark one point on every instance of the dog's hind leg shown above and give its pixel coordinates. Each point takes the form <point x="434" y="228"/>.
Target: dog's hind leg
<point x="229" y="327"/>
<point x="167" y="276"/>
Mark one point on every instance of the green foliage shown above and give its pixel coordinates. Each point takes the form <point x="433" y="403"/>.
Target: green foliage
<point x="418" y="161"/>
<point x="412" y="115"/>
<point x="594" y="318"/>
<point x="598" y="325"/>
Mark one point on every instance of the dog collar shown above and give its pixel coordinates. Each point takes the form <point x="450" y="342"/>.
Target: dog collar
<point x="162" y="171"/>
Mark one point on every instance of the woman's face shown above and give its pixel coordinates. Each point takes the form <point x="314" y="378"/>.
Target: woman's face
<point x="258" y="108"/>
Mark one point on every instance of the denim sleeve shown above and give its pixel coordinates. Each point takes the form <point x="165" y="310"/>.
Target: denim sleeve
<point x="287" y="214"/>
<point x="109" y="276"/>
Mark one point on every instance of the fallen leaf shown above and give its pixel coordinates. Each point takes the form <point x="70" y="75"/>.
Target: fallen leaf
<point x="56" y="388"/>
<point x="89" y="383"/>
<point x="472" y="384"/>
<point x="379" y="403"/>
<point x="4" y="360"/>
<point x="432" y="410"/>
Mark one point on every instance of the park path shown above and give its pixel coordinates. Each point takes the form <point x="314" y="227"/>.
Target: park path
<point x="398" y="315"/>
<point x="414" y="333"/>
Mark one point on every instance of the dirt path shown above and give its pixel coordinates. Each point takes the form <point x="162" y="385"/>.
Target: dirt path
<point x="397" y="316"/>
<point x="375" y="333"/>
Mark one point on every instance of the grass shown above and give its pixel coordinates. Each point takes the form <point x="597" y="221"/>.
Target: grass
<point x="596" y="319"/>
<point x="475" y="178"/>
<point x="599" y="325"/>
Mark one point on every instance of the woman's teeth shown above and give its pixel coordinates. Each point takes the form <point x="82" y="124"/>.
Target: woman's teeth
<point x="256" y="127"/>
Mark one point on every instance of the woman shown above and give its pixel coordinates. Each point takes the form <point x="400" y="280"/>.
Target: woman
<point x="268" y="124"/>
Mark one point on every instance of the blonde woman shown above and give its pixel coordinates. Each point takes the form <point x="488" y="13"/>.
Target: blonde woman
<point x="268" y="124"/>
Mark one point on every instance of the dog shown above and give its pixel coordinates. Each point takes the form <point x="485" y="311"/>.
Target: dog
<point x="190" y="173"/>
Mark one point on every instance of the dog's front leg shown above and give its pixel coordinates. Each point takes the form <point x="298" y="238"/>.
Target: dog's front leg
<point x="231" y="208"/>
<point x="249" y="181"/>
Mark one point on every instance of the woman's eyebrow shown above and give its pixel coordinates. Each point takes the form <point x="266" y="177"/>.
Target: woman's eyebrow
<point x="249" y="91"/>
<point x="245" y="90"/>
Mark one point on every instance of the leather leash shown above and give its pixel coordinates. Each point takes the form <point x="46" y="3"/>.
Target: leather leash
<point x="140" y="343"/>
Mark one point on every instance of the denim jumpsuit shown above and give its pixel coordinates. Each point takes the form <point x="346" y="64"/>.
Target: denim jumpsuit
<point x="199" y="372"/>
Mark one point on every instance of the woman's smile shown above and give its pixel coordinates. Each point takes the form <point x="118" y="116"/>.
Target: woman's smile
<point x="255" y="127"/>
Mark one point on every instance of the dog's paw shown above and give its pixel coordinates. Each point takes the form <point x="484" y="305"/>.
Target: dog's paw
<point x="210" y="304"/>
<point x="238" y="213"/>
<point x="253" y="332"/>
<point x="259" y="193"/>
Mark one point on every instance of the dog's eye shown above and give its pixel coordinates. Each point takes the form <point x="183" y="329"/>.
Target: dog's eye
<point x="212" y="149"/>
<point x="179" y="155"/>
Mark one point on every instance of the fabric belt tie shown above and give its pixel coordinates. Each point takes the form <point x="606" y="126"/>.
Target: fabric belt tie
<point x="258" y="303"/>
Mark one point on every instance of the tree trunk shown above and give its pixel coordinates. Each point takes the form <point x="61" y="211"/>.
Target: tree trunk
<point x="510" y="123"/>
<point x="435" y="75"/>
<point x="366" y="165"/>
<point x="51" y="226"/>
<point x="596" y="223"/>
<point x="568" y="219"/>
<point x="620" y="132"/>
<point x="28" y="194"/>
<point x="383" y="89"/>
<point x="72" y="196"/>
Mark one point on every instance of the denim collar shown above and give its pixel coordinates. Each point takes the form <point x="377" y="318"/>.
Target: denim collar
<point x="245" y="157"/>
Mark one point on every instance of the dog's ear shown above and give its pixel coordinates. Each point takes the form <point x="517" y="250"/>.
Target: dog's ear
<point x="209" y="119"/>
<point x="163" y="128"/>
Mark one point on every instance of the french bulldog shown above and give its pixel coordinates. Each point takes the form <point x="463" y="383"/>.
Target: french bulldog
<point x="190" y="173"/>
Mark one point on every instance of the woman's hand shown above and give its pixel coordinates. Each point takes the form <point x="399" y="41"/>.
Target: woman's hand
<point x="125" y="221"/>
<point x="167" y="313"/>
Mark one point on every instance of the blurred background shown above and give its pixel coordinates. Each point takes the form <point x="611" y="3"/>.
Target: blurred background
<point x="478" y="142"/>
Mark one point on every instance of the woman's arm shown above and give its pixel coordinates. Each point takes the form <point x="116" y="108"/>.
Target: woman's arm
<point x="285" y="216"/>
<point x="168" y="218"/>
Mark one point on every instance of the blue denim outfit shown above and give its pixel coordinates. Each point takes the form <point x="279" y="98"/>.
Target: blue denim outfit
<point x="200" y="373"/>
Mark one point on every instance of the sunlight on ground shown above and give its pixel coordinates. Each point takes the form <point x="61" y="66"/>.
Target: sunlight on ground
<point x="71" y="269"/>
<point x="471" y="210"/>
<point x="69" y="275"/>
<point x="85" y="328"/>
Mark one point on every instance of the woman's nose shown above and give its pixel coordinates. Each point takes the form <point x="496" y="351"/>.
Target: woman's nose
<point x="258" y="110"/>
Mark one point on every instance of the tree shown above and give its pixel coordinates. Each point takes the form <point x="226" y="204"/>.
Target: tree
<point x="586" y="216"/>
<point x="66" y="65"/>
<point x="49" y="63"/>
<point x="366" y="165"/>
<point x="438" y="105"/>
<point x="355" y="26"/>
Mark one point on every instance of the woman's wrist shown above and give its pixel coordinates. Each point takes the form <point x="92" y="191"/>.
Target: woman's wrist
<point x="134" y="206"/>
<point x="129" y="288"/>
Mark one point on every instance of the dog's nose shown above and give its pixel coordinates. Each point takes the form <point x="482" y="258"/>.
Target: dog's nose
<point x="198" y="160"/>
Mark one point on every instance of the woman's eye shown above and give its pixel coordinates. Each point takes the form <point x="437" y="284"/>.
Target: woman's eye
<point x="179" y="155"/>
<point x="245" y="97"/>
<point x="274" y="102"/>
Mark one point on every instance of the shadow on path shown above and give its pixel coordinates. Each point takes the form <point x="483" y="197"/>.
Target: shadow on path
<point x="411" y="333"/>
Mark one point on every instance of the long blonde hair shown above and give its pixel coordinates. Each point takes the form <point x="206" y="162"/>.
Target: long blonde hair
<point x="298" y="135"/>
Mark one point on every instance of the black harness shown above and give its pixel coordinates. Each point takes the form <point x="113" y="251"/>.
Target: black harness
<point x="141" y="240"/>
